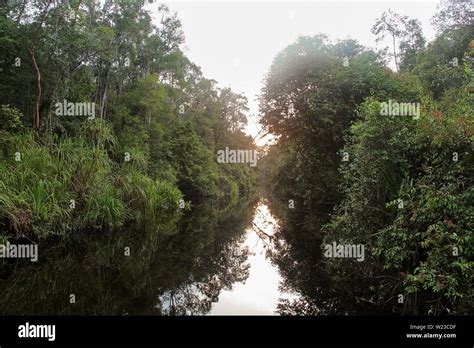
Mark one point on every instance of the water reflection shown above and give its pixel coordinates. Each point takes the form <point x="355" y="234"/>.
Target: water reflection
<point x="260" y="292"/>
<point x="239" y="260"/>
<point x="296" y="252"/>
<point x="178" y="271"/>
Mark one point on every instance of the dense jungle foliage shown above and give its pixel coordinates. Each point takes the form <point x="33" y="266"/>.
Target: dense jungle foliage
<point x="402" y="186"/>
<point x="145" y="154"/>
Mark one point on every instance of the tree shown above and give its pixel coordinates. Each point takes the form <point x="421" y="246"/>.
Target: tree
<point x="407" y="31"/>
<point x="453" y="14"/>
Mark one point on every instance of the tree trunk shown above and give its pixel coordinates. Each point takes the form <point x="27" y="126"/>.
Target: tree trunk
<point x="104" y="97"/>
<point x="395" y="53"/>
<point x="38" y="88"/>
<point x="104" y="102"/>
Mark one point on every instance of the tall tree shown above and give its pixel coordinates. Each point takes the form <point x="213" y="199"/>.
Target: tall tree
<point x="406" y="35"/>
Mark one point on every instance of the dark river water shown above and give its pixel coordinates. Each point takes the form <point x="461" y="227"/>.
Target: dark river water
<point x="239" y="261"/>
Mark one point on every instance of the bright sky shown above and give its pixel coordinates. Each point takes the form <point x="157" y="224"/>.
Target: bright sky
<point x="234" y="42"/>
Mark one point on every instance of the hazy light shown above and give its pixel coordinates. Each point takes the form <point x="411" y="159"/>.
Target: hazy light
<point x="234" y="42"/>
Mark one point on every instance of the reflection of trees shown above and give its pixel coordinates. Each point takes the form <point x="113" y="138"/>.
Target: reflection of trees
<point x="206" y="244"/>
<point x="196" y="297"/>
<point x="296" y="251"/>
<point x="262" y="223"/>
<point x="180" y="270"/>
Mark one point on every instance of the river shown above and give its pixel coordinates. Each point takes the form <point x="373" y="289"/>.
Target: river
<point x="260" y="292"/>
<point x="241" y="260"/>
